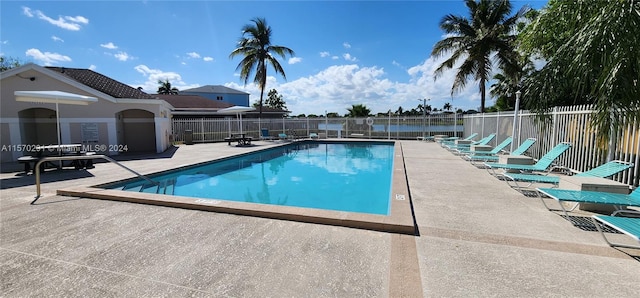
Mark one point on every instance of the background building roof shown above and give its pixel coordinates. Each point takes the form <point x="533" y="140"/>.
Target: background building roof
<point x="101" y="83"/>
<point x="192" y="102"/>
<point x="215" y="89"/>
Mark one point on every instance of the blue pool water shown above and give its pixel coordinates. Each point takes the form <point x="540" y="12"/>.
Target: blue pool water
<point x="353" y="177"/>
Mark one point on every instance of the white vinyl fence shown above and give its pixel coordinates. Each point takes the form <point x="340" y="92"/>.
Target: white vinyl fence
<point x="565" y="124"/>
<point x="395" y="127"/>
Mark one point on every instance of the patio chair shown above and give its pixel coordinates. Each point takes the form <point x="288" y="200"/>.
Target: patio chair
<point x="617" y="200"/>
<point x="426" y="138"/>
<point x="313" y="135"/>
<point x="283" y="137"/>
<point x="494" y="151"/>
<point x="264" y="135"/>
<point x="629" y="226"/>
<point x="544" y="164"/>
<point x="456" y="148"/>
<point x="603" y="171"/>
<point x="451" y="140"/>
<point x="482" y="157"/>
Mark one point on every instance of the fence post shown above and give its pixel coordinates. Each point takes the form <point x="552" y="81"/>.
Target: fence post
<point x="553" y="127"/>
<point x="389" y="126"/>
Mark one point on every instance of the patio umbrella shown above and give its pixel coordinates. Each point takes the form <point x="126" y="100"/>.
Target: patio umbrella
<point x="237" y="110"/>
<point x="57" y="97"/>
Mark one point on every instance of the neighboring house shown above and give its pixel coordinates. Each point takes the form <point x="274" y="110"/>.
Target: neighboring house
<point x="122" y="116"/>
<point x="220" y="93"/>
<point x="194" y="106"/>
<point x="190" y="106"/>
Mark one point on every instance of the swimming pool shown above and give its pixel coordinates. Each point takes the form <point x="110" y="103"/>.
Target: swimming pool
<point x="399" y="217"/>
<point x="352" y="177"/>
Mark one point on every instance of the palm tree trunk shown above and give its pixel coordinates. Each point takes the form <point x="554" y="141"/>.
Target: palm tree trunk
<point x="482" y="95"/>
<point x="260" y="105"/>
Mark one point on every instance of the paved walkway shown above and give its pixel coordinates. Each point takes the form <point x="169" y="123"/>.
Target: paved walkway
<point x="478" y="238"/>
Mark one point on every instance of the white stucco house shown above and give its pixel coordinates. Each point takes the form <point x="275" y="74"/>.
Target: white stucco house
<point x="122" y="117"/>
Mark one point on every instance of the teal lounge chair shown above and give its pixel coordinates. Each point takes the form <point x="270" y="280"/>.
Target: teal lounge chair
<point x="313" y="135"/>
<point x="618" y="201"/>
<point x="544" y="164"/>
<point x="264" y="135"/>
<point x="283" y="137"/>
<point x="426" y="138"/>
<point x="482" y="157"/>
<point x="495" y="151"/>
<point x="629" y="226"/>
<point x="451" y="140"/>
<point x="457" y="149"/>
<point x="603" y="171"/>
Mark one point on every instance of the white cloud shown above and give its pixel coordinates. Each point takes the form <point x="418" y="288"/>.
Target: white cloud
<point x="193" y="55"/>
<point x="338" y="87"/>
<point x="335" y="57"/>
<point x="152" y="76"/>
<point x="109" y="46"/>
<point x="294" y="60"/>
<point x="348" y="57"/>
<point x="208" y="59"/>
<point x="78" y="19"/>
<point x="324" y="54"/>
<point x="64" y="22"/>
<point x="46" y="58"/>
<point x="123" y="56"/>
<point x="55" y="38"/>
<point x="27" y="11"/>
<point x="93" y="67"/>
<point x="346" y="45"/>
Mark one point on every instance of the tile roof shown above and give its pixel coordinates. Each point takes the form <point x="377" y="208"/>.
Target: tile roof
<point x="102" y="83"/>
<point x="214" y="89"/>
<point x="192" y="102"/>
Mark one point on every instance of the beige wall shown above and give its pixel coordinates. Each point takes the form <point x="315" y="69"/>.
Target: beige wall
<point x="35" y="123"/>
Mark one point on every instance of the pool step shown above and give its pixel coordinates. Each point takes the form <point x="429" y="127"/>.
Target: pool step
<point x="165" y="187"/>
<point x="149" y="188"/>
<point x="132" y="188"/>
<point x="168" y="187"/>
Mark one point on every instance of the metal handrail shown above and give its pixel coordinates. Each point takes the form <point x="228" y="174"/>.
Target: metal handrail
<point x="80" y="157"/>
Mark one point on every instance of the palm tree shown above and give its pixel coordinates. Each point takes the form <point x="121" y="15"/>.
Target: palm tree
<point x="255" y="45"/>
<point x="358" y="110"/>
<point x="446" y="107"/>
<point x="165" y="87"/>
<point x="489" y="31"/>
<point x="592" y="58"/>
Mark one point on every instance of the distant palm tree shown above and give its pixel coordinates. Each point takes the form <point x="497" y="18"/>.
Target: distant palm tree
<point x="358" y="110"/>
<point x="446" y="107"/>
<point x="165" y="87"/>
<point x="255" y="45"/>
<point x="489" y="31"/>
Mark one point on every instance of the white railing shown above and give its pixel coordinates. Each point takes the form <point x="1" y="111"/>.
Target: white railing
<point x="395" y="127"/>
<point x="570" y="124"/>
<point x="566" y="124"/>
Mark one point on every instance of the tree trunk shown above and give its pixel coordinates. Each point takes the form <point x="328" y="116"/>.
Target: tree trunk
<point x="482" y="95"/>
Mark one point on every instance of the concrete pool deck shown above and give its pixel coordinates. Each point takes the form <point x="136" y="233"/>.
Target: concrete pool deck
<point x="478" y="237"/>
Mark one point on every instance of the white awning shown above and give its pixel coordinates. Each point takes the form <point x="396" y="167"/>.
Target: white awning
<point x="53" y="97"/>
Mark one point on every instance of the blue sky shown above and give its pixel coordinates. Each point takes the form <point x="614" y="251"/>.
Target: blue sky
<point x="347" y="52"/>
